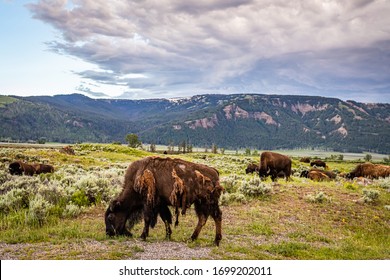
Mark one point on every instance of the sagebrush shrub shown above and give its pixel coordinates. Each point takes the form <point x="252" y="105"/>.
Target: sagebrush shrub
<point x="232" y="182"/>
<point x="370" y="196"/>
<point x="319" y="197"/>
<point x="383" y="183"/>
<point x="254" y="187"/>
<point x="71" y="211"/>
<point x="14" y="200"/>
<point x="38" y="211"/>
<point x="227" y="198"/>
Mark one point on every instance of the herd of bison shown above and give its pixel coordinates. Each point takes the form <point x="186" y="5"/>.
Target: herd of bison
<point x="154" y="183"/>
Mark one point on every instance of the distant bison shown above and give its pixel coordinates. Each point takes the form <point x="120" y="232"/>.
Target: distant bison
<point x="369" y="170"/>
<point x="305" y="160"/>
<point x="153" y="183"/>
<point x="252" y="167"/>
<point x="274" y="165"/>
<point x="21" y="168"/>
<point x="43" y="168"/>
<point x="318" y="163"/>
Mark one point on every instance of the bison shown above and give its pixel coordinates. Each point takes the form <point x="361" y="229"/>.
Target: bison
<point x="252" y="167"/>
<point x="369" y="170"/>
<point x="305" y="160"/>
<point x="20" y="168"/>
<point x="274" y="164"/>
<point x="154" y="183"/>
<point x="318" y="174"/>
<point x="43" y="168"/>
<point x="318" y="163"/>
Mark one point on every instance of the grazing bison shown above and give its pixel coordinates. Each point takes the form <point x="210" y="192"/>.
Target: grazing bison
<point x="153" y="183"/>
<point x="274" y="165"/>
<point x="43" y="168"/>
<point x="20" y="168"/>
<point x="369" y="170"/>
<point x="252" y="167"/>
<point x="305" y="160"/>
<point x="318" y="163"/>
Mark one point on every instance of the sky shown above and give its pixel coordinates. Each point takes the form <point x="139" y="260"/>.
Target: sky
<point x="174" y="48"/>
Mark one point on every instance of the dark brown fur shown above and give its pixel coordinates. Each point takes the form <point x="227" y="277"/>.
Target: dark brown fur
<point x="43" y="168"/>
<point x="252" y="167"/>
<point x="305" y="160"/>
<point x="274" y="164"/>
<point x="153" y="183"/>
<point x="370" y="170"/>
<point x="318" y="163"/>
<point x="318" y="174"/>
<point x="21" y="168"/>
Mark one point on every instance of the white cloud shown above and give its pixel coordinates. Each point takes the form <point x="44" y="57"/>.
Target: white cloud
<point x="187" y="46"/>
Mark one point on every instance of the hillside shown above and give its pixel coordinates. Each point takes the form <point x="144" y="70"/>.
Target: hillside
<point x="229" y="121"/>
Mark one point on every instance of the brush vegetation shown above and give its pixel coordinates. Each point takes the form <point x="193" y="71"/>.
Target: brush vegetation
<point x="61" y="215"/>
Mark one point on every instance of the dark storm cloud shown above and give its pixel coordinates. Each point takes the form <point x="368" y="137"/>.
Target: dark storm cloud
<point x="186" y="47"/>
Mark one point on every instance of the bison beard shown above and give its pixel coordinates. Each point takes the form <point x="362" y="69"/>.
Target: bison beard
<point x="274" y="165"/>
<point x="153" y="183"/>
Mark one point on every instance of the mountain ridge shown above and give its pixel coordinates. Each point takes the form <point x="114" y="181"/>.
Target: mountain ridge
<point x="231" y="121"/>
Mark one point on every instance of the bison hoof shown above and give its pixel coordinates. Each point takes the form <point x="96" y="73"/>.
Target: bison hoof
<point x="143" y="236"/>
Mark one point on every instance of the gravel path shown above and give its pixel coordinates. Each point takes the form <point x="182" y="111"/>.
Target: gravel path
<point x="91" y="249"/>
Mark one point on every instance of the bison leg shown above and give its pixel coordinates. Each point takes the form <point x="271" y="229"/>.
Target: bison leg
<point x="149" y="215"/>
<point x="202" y="213"/>
<point x="177" y="217"/>
<point x="166" y="216"/>
<point x="202" y="219"/>
<point x="145" y="232"/>
<point x="217" y="216"/>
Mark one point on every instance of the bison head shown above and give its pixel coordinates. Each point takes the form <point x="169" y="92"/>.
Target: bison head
<point x="305" y="173"/>
<point x="252" y="168"/>
<point x="15" y="168"/>
<point x="115" y="219"/>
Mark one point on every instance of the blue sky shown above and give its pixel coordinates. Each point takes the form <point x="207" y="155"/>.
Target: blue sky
<point x="174" y="48"/>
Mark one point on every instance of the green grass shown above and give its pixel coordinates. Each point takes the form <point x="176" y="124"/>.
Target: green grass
<point x="280" y="225"/>
<point x="4" y="100"/>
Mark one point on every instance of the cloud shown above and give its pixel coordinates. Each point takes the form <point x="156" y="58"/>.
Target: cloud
<point x="201" y="45"/>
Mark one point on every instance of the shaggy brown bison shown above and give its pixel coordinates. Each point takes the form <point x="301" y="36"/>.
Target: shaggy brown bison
<point x="369" y="170"/>
<point x="274" y="164"/>
<point x="305" y="160"/>
<point x="43" y="168"/>
<point x="20" y="168"/>
<point x="318" y="163"/>
<point x="318" y="175"/>
<point x="153" y="183"/>
<point x="252" y="167"/>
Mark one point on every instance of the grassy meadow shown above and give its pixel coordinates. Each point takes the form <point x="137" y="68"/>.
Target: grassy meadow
<point x="61" y="215"/>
